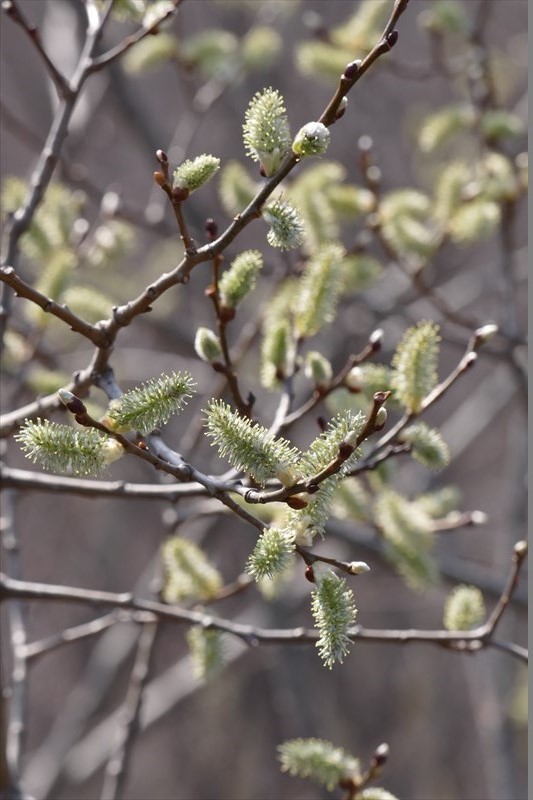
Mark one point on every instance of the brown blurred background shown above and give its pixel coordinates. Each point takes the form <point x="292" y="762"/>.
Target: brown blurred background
<point x="454" y="723"/>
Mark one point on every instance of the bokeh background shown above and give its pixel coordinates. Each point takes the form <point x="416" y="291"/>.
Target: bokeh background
<point x="455" y="724"/>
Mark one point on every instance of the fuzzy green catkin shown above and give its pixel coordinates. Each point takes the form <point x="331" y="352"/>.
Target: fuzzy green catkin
<point x="311" y="140"/>
<point x="213" y="51"/>
<point x="499" y="124"/>
<point x="475" y="220"/>
<point x="407" y="531"/>
<point x="206" y="652"/>
<point x="334" y="612"/>
<point x="319" y="290"/>
<point x="286" y="225"/>
<point x="60" y="448"/>
<point x="317" y="368"/>
<point x="153" y="403"/>
<point x="445" y="123"/>
<point x="465" y="609"/>
<point x="195" y="172"/>
<point x="188" y="573"/>
<point x="240" y="279"/>
<point x="259" y="47"/>
<point x="360" y="31"/>
<point x="321" y="60"/>
<point x="428" y="446"/>
<point x="207" y="345"/>
<point x="309" y="192"/>
<point x="150" y="53"/>
<point x="319" y="760"/>
<point x="276" y="352"/>
<point x="271" y="554"/>
<point x="415" y="365"/>
<point x="248" y="446"/>
<point x="266" y="132"/>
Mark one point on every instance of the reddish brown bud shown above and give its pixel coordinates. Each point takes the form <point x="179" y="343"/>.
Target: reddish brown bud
<point x="309" y="574"/>
<point x="345" y="450"/>
<point x="351" y="70"/>
<point x="160" y="179"/>
<point x="161" y="156"/>
<point x="211" y="228"/>
<point x="381" y="755"/>
<point x="391" y="39"/>
<point x="179" y="194"/>
<point x="296" y="502"/>
<point x="226" y="314"/>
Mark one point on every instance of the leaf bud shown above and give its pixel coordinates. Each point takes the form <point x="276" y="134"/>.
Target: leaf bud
<point x="381" y="418"/>
<point x="520" y="549"/>
<point x="311" y="140"/>
<point x="375" y="339"/>
<point x="73" y="403"/>
<point x="358" y="567"/>
<point x="296" y="502"/>
<point x="343" y="105"/>
<point x="392" y="38"/>
<point x="211" y="228"/>
<point x="318" y="369"/>
<point x="381" y="754"/>
<point x="207" y="345"/>
<point x="485" y="333"/>
<point x="353" y="379"/>
<point x="478" y="518"/>
<point x="179" y="194"/>
<point x="352" y="69"/>
<point x="112" y="451"/>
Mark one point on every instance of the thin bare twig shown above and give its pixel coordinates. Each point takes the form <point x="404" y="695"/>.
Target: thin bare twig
<point x="128" y="722"/>
<point x="62" y="312"/>
<point x="12" y="10"/>
<point x="459" y="641"/>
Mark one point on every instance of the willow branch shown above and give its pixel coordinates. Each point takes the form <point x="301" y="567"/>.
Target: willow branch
<point x="116" y="52"/>
<point x="458" y="641"/>
<point x="128" y="721"/>
<point x="12" y="10"/>
<point x="22" y="289"/>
